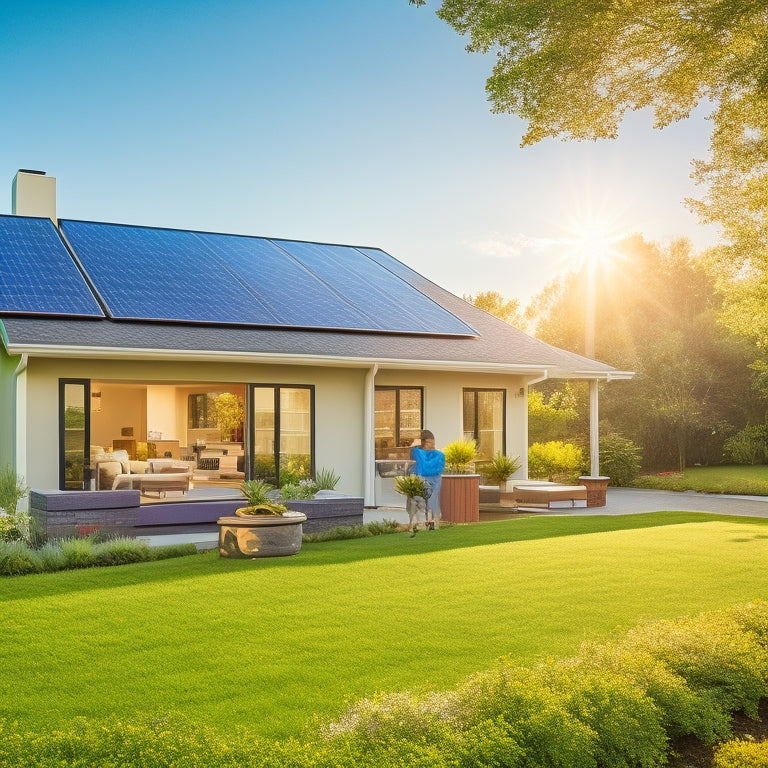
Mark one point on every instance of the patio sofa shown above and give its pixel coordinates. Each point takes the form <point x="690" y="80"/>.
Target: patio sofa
<point x="116" y="472"/>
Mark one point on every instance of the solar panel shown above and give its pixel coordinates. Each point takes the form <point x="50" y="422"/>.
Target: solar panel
<point x="178" y="275"/>
<point x="294" y="295"/>
<point x="37" y="273"/>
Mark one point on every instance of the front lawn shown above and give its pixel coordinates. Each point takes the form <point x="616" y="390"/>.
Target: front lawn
<point x="737" y="480"/>
<point x="268" y="644"/>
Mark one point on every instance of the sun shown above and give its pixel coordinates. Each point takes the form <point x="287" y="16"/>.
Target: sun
<point x="592" y="242"/>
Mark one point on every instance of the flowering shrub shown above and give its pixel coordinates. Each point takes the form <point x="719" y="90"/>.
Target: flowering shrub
<point x="14" y="526"/>
<point x="548" y="460"/>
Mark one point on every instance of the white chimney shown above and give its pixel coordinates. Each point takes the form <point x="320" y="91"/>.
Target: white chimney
<point x="33" y="194"/>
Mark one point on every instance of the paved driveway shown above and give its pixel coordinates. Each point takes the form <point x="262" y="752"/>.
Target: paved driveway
<point x="629" y="501"/>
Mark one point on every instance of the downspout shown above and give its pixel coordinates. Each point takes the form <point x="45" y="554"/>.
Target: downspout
<point x="19" y="427"/>
<point x="369" y="452"/>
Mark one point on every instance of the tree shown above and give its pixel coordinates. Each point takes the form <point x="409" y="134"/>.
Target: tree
<point x="573" y="68"/>
<point x="657" y="315"/>
<point x="495" y="304"/>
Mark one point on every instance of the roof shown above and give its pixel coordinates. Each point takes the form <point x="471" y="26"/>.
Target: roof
<point x="484" y="344"/>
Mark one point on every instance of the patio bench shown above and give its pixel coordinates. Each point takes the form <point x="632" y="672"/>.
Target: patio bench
<point x="542" y="496"/>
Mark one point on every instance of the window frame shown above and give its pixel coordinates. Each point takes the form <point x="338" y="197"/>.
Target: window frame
<point x="251" y="425"/>
<point x="476" y="391"/>
<point x="86" y="385"/>
<point x="396" y="388"/>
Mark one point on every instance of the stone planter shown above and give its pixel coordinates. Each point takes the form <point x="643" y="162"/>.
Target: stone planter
<point x="255" y="536"/>
<point x="460" y="498"/>
<point x="597" y="488"/>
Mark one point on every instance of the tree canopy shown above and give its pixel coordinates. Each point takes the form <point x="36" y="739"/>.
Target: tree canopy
<point x="574" y="68"/>
<point x="657" y="315"/>
<point x="495" y="304"/>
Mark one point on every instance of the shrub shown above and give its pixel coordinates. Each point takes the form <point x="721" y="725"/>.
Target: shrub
<point x="741" y="754"/>
<point x="459" y="455"/>
<point x="17" y="559"/>
<point x="413" y="486"/>
<point x="304" y="490"/>
<point x="12" y="490"/>
<point x="15" y="526"/>
<point x="341" y="532"/>
<point x="750" y="446"/>
<point x="620" y="459"/>
<point x="548" y="460"/>
<point x="51" y="557"/>
<point x="326" y="479"/>
<point x="121" y="551"/>
<point x="501" y="468"/>
<point x="168" y="551"/>
<point x="77" y="553"/>
<point x="151" y="743"/>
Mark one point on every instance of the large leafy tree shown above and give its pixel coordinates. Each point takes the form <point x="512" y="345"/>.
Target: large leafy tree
<point x="657" y="315"/>
<point x="494" y="303"/>
<point x="573" y="68"/>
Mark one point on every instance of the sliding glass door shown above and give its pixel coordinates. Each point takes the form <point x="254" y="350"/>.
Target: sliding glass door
<point x="74" y="434"/>
<point x="282" y="432"/>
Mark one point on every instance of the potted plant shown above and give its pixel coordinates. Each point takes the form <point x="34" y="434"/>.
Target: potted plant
<point x="417" y="491"/>
<point x="264" y="528"/>
<point x="459" y="456"/>
<point x="460" y="493"/>
<point x="499" y="470"/>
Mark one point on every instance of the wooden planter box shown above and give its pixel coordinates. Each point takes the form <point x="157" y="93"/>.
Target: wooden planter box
<point x="460" y="498"/>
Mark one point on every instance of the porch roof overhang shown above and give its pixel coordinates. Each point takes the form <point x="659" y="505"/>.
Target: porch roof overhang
<point x="535" y="372"/>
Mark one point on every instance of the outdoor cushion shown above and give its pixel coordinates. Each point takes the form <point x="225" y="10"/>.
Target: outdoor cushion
<point x="107" y="472"/>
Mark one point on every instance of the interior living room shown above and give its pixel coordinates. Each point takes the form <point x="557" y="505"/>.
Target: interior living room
<point x="166" y="439"/>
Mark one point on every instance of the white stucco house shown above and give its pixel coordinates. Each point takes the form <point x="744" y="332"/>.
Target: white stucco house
<point x="120" y="337"/>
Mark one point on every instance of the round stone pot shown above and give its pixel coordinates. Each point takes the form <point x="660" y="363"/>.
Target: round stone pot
<point x="252" y="536"/>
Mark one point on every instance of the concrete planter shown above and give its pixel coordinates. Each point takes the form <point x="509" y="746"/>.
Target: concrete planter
<point x="460" y="498"/>
<point x="60" y="514"/>
<point x="328" y="510"/>
<point x="253" y="536"/>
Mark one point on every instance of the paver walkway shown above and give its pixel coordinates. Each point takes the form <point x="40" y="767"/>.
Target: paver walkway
<point x="630" y="501"/>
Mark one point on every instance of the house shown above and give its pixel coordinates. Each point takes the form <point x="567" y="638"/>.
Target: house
<point x="243" y="356"/>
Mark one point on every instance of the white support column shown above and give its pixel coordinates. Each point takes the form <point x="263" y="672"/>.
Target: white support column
<point x="369" y="445"/>
<point x="594" y="436"/>
<point x="20" y="417"/>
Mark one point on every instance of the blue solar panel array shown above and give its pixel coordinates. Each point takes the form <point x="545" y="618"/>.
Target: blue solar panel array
<point x="176" y="275"/>
<point x="37" y="273"/>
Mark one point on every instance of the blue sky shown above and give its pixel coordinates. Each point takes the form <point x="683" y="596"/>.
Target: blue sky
<point x="354" y="122"/>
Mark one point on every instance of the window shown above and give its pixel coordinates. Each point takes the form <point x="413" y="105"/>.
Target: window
<point x="485" y="421"/>
<point x="74" y="433"/>
<point x="282" y="432"/>
<point x="399" y="416"/>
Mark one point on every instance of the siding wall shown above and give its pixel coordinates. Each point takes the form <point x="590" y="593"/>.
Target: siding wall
<point x="340" y="438"/>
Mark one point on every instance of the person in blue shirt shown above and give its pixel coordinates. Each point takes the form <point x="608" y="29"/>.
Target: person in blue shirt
<point x="429" y="464"/>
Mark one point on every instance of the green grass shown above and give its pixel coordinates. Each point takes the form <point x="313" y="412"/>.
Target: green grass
<point x="738" y="480"/>
<point x="267" y="644"/>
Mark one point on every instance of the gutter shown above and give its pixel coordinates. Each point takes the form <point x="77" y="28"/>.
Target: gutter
<point x="136" y="353"/>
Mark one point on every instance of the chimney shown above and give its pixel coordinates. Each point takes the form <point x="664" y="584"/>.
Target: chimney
<point x="33" y="194"/>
